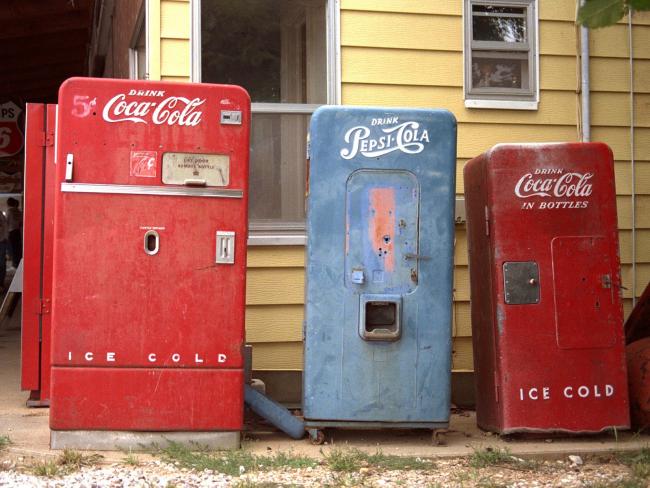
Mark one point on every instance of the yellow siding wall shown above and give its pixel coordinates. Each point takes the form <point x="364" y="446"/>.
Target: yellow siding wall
<point x="409" y="53"/>
<point x="169" y="39"/>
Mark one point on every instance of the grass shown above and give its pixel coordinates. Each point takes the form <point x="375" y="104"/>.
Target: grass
<point x="131" y="460"/>
<point x="46" y="468"/>
<point x="74" y="460"/>
<point x="639" y="463"/>
<point x="349" y="460"/>
<point x="494" y="456"/>
<point x="68" y="462"/>
<point x="231" y="462"/>
<point x="4" y="441"/>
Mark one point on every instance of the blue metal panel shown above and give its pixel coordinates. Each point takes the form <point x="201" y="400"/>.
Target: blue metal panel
<point x="380" y="226"/>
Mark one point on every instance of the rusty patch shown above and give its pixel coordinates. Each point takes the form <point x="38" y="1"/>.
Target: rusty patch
<point x="382" y="224"/>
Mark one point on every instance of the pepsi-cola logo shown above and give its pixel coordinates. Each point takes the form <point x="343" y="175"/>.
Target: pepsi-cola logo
<point x="571" y="184"/>
<point x="172" y="110"/>
<point x="407" y="137"/>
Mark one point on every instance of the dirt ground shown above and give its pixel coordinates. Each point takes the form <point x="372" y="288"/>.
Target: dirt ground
<point x="539" y="461"/>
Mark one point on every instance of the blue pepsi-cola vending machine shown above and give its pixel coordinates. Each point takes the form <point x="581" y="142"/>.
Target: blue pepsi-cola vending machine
<point x="380" y="226"/>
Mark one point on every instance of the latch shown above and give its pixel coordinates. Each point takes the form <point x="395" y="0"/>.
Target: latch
<point x="410" y="255"/>
<point x="69" y="161"/>
<point x="225" y="247"/>
<point x="357" y="276"/>
<point x="606" y="281"/>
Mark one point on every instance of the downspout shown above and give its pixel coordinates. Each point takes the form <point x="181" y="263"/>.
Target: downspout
<point x="584" y="81"/>
<point x="632" y="160"/>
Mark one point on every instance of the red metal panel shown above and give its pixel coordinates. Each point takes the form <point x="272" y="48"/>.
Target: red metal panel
<point x="175" y="399"/>
<point x="33" y="246"/>
<point x="48" y="249"/>
<point x="562" y="351"/>
<point x="583" y="294"/>
<point x="115" y="307"/>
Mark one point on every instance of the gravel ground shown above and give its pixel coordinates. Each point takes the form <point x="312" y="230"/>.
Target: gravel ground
<point x="17" y="472"/>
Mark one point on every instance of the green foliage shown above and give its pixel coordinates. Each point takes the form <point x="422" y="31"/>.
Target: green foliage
<point x="402" y="463"/>
<point x="601" y="13"/>
<point x="67" y="462"/>
<point x="344" y="459"/>
<point x="4" y="441"/>
<point x="72" y="460"/>
<point x="639" y="462"/>
<point x="45" y="468"/>
<point x="494" y="456"/>
<point x="233" y="462"/>
<point x="350" y="460"/>
<point x="131" y="460"/>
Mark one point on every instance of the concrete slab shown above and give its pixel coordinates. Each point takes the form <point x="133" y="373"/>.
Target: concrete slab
<point x="108" y="440"/>
<point x="29" y="431"/>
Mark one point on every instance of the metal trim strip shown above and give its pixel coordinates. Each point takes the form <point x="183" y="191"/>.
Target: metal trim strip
<point x="148" y="190"/>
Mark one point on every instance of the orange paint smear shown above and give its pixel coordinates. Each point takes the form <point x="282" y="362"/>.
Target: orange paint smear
<point x="382" y="223"/>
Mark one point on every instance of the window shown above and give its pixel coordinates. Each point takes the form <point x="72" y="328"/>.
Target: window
<point x="138" y="49"/>
<point x="277" y="50"/>
<point x="501" y="54"/>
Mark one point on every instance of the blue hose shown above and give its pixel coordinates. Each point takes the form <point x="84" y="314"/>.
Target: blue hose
<point x="274" y="413"/>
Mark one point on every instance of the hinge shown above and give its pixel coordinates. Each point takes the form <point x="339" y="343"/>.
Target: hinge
<point x="46" y="138"/>
<point x="487" y="222"/>
<point x="43" y="306"/>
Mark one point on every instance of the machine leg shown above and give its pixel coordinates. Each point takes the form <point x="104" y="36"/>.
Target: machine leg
<point x="316" y="436"/>
<point x="438" y="438"/>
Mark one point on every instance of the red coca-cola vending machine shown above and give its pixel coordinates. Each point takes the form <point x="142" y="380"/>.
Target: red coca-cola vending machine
<point x="547" y="315"/>
<point x="150" y="235"/>
<point x="37" y="252"/>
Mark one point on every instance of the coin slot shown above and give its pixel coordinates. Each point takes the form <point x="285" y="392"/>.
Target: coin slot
<point x="151" y="242"/>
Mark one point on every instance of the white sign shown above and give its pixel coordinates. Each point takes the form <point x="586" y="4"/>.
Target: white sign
<point x="407" y="137"/>
<point x="198" y="169"/>
<point x="555" y="184"/>
<point x="170" y="111"/>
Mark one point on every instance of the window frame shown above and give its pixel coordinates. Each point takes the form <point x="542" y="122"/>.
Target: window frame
<point x="502" y="98"/>
<point x="141" y="29"/>
<point x="282" y="233"/>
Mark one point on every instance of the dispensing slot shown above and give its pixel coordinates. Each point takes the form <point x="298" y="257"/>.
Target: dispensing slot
<point x="151" y="242"/>
<point x="380" y="317"/>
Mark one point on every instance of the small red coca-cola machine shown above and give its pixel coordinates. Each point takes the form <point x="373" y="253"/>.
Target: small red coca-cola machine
<point x="149" y="263"/>
<point x="37" y="252"/>
<point x="547" y="315"/>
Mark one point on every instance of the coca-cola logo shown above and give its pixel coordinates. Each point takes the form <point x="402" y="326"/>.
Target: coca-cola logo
<point x="570" y="184"/>
<point x="172" y="110"/>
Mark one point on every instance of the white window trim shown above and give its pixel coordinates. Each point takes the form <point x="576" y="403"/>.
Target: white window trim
<point x="141" y="27"/>
<point x="491" y="103"/>
<point x="260" y="235"/>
